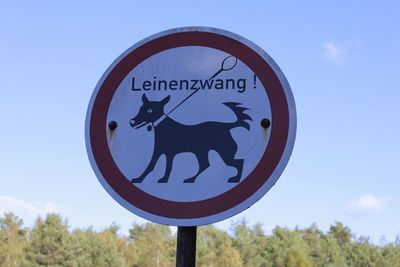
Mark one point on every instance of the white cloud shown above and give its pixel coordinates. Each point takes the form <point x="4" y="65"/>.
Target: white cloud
<point x="370" y="203"/>
<point x="340" y="52"/>
<point x="25" y="210"/>
<point x="333" y="52"/>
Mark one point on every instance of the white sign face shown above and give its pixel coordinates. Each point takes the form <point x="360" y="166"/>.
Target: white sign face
<point x="190" y="126"/>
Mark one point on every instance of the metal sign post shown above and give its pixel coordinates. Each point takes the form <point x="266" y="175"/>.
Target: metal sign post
<point x="189" y="127"/>
<point x="186" y="246"/>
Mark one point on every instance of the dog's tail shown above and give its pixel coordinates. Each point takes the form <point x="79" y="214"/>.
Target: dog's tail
<point x="241" y="116"/>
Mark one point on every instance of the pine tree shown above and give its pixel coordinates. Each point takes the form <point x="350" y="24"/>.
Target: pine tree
<point x="48" y="243"/>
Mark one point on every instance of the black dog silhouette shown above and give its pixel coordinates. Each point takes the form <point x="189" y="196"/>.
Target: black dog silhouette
<point x="172" y="138"/>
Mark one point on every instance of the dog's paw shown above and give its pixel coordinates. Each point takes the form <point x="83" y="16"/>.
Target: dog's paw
<point x="189" y="180"/>
<point x="162" y="180"/>
<point x="136" y="180"/>
<point x="234" y="180"/>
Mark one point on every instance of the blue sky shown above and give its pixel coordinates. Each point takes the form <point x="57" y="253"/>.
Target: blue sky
<point x="340" y="57"/>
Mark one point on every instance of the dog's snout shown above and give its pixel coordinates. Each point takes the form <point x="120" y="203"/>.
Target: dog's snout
<point x="132" y="122"/>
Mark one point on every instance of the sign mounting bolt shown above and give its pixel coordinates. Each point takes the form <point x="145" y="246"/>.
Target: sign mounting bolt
<point x="265" y="123"/>
<point x="112" y="125"/>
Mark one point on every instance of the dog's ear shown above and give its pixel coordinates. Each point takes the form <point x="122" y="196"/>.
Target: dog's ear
<point x="144" y="99"/>
<point x="165" y="100"/>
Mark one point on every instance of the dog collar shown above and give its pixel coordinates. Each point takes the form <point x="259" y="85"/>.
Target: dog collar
<point x="157" y="122"/>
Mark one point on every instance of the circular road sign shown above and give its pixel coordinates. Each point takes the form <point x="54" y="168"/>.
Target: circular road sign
<point x="190" y="126"/>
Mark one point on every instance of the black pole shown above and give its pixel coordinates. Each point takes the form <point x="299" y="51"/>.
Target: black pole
<point x="186" y="246"/>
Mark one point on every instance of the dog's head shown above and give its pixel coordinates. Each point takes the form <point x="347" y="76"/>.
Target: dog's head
<point x="149" y="112"/>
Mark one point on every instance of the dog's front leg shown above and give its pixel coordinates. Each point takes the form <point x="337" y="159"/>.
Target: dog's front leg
<point x="168" y="169"/>
<point x="149" y="168"/>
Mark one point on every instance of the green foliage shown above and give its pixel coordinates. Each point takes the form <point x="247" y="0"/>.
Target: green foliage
<point x="391" y="256"/>
<point x="12" y="240"/>
<point x="50" y="242"/>
<point x="89" y="248"/>
<point x="251" y="244"/>
<point x="341" y="233"/>
<point x="151" y="245"/>
<point x="324" y="250"/>
<point x="215" y="248"/>
<point x="287" y="248"/>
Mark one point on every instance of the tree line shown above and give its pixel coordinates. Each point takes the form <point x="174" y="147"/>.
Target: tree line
<point x="51" y="242"/>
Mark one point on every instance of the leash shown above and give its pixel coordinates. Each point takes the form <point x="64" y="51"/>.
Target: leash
<point x="227" y="64"/>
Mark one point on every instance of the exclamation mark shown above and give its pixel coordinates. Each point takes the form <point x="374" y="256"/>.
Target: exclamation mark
<point x="254" y="81"/>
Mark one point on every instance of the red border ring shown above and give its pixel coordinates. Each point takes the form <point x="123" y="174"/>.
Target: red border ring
<point x="180" y="212"/>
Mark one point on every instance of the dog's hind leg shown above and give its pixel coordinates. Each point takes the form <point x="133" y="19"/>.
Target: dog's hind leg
<point x="227" y="153"/>
<point x="238" y="164"/>
<point x="202" y="158"/>
<point x="168" y="169"/>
